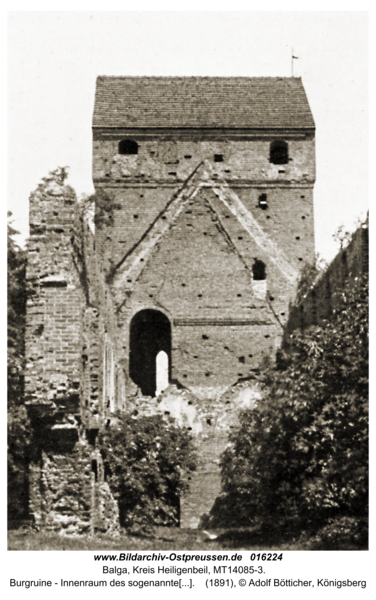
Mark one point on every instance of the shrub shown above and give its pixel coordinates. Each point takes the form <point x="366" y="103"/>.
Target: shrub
<point x="18" y="422"/>
<point x="301" y="456"/>
<point x="145" y="459"/>
<point x="342" y="533"/>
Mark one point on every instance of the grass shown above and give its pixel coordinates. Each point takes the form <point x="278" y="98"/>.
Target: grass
<point x="171" y="538"/>
<point x="163" y="538"/>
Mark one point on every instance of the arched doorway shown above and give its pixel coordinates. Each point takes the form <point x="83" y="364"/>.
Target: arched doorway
<point x="150" y="334"/>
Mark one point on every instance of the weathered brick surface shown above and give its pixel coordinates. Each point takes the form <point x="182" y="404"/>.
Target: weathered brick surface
<point x="140" y="196"/>
<point x="171" y="161"/>
<point x="66" y="494"/>
<point x="69" y="327"/>
<point x="198" y="270"/>
<point x="325" y="294"/>
<point x="199" y="274"/>
<point x="55" y="304"/>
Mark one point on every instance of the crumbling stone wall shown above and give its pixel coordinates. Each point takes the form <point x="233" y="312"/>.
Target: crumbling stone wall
<point x="69" y="493"/>
<point x="55" y="303"/>
<point x="60" y="482"/>
<point x="322" y="299"/>
<point x="69" y="330"/>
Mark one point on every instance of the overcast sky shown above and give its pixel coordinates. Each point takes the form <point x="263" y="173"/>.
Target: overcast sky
<point x="55" y="57"/>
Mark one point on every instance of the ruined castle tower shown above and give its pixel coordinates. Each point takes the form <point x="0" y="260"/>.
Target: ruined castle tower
<point x="211" y="183"/>
<point x="203" y="221"/>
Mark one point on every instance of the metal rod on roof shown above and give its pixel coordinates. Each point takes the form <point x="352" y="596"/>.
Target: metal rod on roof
<point x="292" y="61"/>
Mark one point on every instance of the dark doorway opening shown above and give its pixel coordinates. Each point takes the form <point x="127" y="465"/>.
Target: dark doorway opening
<point x="150" y="332"/>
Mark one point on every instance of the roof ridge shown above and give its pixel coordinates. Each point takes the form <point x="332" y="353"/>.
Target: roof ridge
<point x="176" y="77"/>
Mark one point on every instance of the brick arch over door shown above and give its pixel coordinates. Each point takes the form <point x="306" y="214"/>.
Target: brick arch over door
<point x="150" y="333"/>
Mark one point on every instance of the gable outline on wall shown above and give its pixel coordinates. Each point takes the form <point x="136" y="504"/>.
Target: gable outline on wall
<point x="133" y="263"/>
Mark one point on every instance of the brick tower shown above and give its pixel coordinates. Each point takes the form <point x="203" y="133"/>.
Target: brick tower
<point x="205" y="221"/>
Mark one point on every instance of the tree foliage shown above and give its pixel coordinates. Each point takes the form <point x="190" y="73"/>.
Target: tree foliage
<point x="20" y="433"/>
<point x="343" y="234"/>
<point x="300" y="458"/>
<point x="145" y="459"/>
<point x="16" y="311"/>
<point x="18" y="423"/>
<point x="309" y="274"/>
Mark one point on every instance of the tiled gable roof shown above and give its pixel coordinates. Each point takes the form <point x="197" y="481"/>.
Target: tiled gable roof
<point x="201" y="102"/>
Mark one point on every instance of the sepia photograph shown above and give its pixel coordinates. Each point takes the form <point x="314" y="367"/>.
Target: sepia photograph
<point x="188" y="282"/>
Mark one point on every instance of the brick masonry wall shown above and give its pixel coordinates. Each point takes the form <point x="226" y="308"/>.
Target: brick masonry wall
<point x="198" y="279"/>
<point x="201" y="271"/>
<point x="100" y="355"/>
<point x="224" y="324"/>
<point x="138" y="194"/>
<point x="174" y="159"/>
<point x="322" y="299"/>
<point x="67" y="495"/>
<point x="55" y="302"/>
<point x="205" y="483"/>
<point x="70" y="322"/>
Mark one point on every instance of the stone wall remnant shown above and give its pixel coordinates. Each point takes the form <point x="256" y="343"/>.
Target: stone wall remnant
<point x="322" y="299"/>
